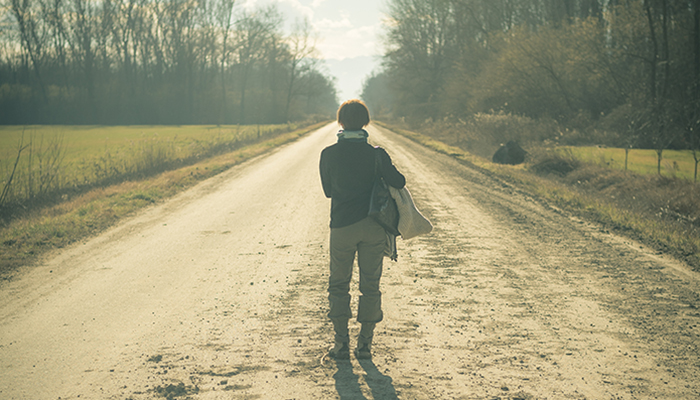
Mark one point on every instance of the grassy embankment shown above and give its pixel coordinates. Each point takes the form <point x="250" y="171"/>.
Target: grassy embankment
<point x="107" y="173"/>
<point x="660" y="211"/>
<point x="674" y="164"/>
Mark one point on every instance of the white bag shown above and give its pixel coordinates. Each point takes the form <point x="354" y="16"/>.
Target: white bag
<point x="411" y="222"/>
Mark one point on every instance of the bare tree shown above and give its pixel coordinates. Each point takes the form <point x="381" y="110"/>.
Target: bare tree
<point x="32" y="37"/>
<point x="696" y="47"/>
<point x="303" y="56"/>
<point x="7" y="186"/>
<point x="83" y="29"/>
<point x="147" y="61"/>
<point x="224" y="20"/>
<point x="420" y="48"/>
<point x="53" y="16"/>
<point x="254" y="30"/>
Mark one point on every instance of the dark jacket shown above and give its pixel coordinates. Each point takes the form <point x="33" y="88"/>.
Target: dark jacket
<point x="347" y="176"/>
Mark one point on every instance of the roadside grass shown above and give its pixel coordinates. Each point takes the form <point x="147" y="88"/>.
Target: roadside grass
<point x="674" y="163"/>
<point x="23" y="240"/>
<point x="87" y="142"/>
<point x="660" y="212"/>
<point x="46" y="163"/>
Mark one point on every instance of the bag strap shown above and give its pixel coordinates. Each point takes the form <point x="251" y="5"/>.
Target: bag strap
<point x="377" y="162"/>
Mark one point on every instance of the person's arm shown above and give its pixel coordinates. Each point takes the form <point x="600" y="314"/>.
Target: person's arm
<point x="325" y="175"/>
<point x="391" y="175"/>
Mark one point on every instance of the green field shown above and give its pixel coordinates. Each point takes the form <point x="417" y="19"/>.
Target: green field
<point x="31" y="226"/>
<point x="674" y="163"/>
<point x="59" y="157"/>
<point x="86" y="142"/>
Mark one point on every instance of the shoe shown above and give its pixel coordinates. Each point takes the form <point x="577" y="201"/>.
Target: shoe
<point x="341" y="351"/>
<point x="363" y="351"/>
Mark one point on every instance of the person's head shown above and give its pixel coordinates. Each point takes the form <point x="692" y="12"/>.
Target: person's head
<point x="353" y="115"/>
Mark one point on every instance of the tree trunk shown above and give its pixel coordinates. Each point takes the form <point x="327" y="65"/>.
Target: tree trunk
<point x="224" y="106"/>
<point x="290" y="90"/>
<point x="244" y="84"/>
<point x="696" y="39"/>
<point x="224" y="20"/>
<point x="655" y="51"/>
<point x="666" y="52"/>
<point x="30" y="40"/>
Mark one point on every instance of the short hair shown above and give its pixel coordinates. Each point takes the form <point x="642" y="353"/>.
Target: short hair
<point x="353" y="115"/>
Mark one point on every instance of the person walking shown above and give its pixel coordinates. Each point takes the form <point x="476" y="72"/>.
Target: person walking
<point x="347" y="171"/>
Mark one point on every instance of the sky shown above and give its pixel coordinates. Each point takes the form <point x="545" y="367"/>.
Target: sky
<point x="348" y="35"/>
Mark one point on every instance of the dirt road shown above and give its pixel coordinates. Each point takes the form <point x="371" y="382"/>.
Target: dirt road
<point x="219" y="293"/>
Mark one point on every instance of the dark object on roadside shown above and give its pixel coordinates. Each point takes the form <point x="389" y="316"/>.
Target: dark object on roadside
<point x="509" y="153"/>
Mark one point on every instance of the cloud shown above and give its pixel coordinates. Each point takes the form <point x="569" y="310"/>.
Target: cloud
<point x="298" y="9"/>
<point x="344" y="31"/>
<point x="349" y="42"/>
<point x="306" y="12"/>
<point x="327" y="24"/>
<point x="363" y="32"/>
<point x="248" y="4"/>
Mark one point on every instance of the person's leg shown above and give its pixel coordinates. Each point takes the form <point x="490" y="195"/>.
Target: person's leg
<point x="370" y="258"/>
<point x="342" y="254"/>
<point x="366" y="333"/>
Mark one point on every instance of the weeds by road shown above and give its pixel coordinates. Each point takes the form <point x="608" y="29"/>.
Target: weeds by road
<point x="674" y="164"/>
<point x="661" y="212"/>
<point x="41" y="165"/>
<point x="24" y="239"/>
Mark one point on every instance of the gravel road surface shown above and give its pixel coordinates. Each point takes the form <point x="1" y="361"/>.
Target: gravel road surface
<point x="219" y="293"/>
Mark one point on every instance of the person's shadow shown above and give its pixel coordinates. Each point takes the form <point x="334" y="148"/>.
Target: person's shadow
<point x="348" y="384"/>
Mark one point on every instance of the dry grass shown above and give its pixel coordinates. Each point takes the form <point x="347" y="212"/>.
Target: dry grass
<point x="39" y="165"/>
<point x="662" y="212"/>
<point x="24" y="239"/>
<point x="674" y="163"/>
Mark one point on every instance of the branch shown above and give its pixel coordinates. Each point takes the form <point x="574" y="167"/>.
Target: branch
<point x="6" y="188"/>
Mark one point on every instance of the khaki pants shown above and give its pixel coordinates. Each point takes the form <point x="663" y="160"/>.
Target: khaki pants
<point x="367" y="239"/>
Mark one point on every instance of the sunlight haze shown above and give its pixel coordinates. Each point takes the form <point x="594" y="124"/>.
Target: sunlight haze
<point x="348" y="35"/>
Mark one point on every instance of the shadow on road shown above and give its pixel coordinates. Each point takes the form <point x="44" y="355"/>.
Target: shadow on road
<point x="347" y="383"/>
<point x="381" y="385"/>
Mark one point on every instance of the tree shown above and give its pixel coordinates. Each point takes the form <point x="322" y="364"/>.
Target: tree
<point x="224" y="19"/>
<point x="696" y="47"/>
<point x="150" y="61"/>
<point x="83" y="32"/>
<point x="420" y="48"/>
<point x="32" y="38"/>
<point x="587" y="63"/>
<point x="318" y="95"/>
<point x="254" y="31"/>
<point x="302" y="58"/>
<point x="377" y="94"/>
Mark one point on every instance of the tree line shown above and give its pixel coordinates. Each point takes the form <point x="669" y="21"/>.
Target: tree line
<point x="156" y="62"/>
<point x="626" y="71"/>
